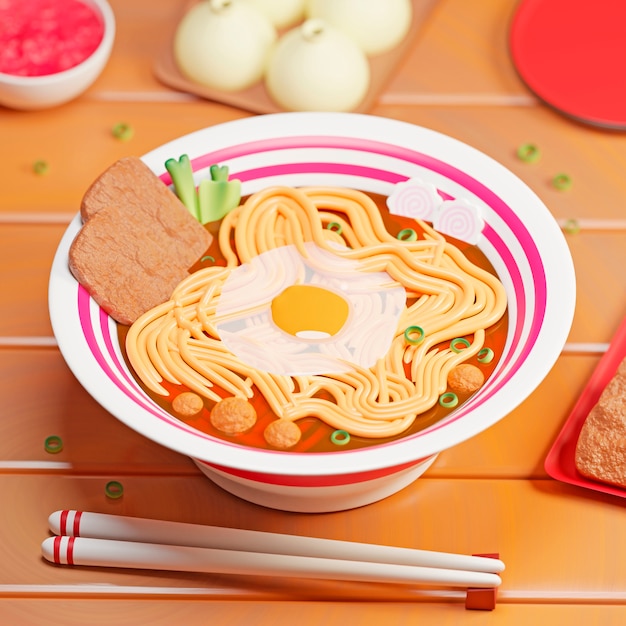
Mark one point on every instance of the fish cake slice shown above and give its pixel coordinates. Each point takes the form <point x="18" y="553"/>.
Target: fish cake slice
<point x="601" y="446"/>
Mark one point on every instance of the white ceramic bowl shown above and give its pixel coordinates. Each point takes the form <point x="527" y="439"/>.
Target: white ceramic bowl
<point x="520" y="237"/>
<point x="41" y="92"/>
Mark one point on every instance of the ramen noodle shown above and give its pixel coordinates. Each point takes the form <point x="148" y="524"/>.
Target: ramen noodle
<point x="323" y="312"/>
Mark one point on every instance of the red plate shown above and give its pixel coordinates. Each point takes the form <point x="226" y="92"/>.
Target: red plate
<point x="560" y="461"/>
<point x="571" y="55"/>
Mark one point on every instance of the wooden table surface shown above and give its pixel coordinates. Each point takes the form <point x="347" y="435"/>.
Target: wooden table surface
<point x="564" y="546"/>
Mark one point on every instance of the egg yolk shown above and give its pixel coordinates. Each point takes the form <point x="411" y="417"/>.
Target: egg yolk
<point x="309" y="311"/>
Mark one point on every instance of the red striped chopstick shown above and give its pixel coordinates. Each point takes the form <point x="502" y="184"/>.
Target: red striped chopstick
<point x="96" y="539"/>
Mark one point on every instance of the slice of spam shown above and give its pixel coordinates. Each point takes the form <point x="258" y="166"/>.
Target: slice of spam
<point x="137" y="242"/>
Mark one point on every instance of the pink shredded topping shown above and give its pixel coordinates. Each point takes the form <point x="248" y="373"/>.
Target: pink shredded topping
<point x="40" y="37"/>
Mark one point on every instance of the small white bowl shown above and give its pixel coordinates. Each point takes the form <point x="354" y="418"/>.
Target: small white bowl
<point x="40" y="92"/>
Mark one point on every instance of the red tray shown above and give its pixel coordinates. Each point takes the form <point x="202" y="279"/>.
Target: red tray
<point x="560" y="461"/>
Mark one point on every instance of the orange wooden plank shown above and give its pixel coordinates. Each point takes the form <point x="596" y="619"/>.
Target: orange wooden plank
<point x="27" y="251"/>
<point x="93" y="440"/>
<point x="462" y="51"/>
<point x="141" y="29"/>
<point x="516" y="447"/>
<point x="96" y="442"/>
<point x="595" y="160"/>
<point x="555" y="540"/>
<point x="159" y="612"/>
<point x="601" y="284"/>
<point x="77" y="143"/>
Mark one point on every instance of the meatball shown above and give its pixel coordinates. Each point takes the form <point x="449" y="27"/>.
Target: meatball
<point x="465" y="378"/>
<point x="188" y="404"/>
<point x="233" y="415"/>
<point x="282" y="434"/>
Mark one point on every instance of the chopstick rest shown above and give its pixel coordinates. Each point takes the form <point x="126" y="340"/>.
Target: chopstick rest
<point x="122" y="528"/>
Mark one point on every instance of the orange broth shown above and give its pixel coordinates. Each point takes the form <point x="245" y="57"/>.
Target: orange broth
<point x="316" y="435"/>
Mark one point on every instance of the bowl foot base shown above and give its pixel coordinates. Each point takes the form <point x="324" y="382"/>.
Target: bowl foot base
<point x="315" y="499"/>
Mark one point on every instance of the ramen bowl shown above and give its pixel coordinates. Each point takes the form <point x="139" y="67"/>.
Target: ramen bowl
<point x="516" y="234"/>
<point x="31" y="92"/>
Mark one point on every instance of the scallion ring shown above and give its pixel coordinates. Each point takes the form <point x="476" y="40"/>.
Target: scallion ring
<point x="571" y="226"/>
<point x="458" y="344"/>
<point x="41" y="167"/>
<point x="335" y="227"/>
<point x="114" y="489"/>
<point x="53" y="444"/>
<point x="485" y="355"/>
<point x="414" y="334"/>
<point x="448" y="400"/>
<point x="562" y="182"/>
<point x="407" y="234"/>
<point x="340" y="437"/>
<point x="529" y="153"/>
<point x="207" y="257"/>
<point x="122" y="131"/>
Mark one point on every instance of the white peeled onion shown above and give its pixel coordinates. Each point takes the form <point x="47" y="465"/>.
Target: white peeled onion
<point x="223" y="44"/>
<point x="315" y="67"/>
<point x="282" y="13"/>
<point x="376" y="25"/>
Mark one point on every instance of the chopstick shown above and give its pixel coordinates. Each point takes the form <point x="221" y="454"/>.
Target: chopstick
<point x="105" y="526"/>
<point x="103" y="540"/>
<point x="135" y="555"/>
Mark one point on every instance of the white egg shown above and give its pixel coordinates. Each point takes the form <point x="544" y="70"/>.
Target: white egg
<point x="282" y="13"/>
<point x="315" y="67"/>
<point x="376" y="25"/>
<point x="223" y="44"/>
